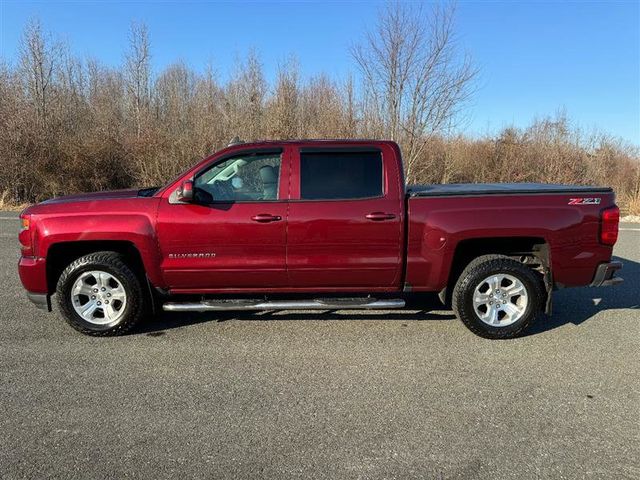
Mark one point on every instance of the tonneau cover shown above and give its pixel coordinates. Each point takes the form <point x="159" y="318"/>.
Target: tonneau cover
<point x="461" y="189"/>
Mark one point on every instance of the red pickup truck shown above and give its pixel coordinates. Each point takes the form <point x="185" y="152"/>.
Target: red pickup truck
<point x="315" y="225"/>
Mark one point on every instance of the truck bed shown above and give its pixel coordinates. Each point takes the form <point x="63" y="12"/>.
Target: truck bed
<point x="472" y="189"/>
<point x="443" y="217"/>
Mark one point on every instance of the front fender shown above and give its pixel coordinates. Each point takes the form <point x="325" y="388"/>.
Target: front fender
<point x="137" y="229"/>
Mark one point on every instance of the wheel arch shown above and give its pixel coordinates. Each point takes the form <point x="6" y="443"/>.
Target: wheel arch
<point x="532" y="251"/>
<point x="61" y="254"/>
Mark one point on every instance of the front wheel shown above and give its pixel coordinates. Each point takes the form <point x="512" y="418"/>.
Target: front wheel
<point x="100" y="295"/>
<point x="498" y="297"/>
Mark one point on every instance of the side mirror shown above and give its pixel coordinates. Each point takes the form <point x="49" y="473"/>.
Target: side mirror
<point x="185" y="192"/>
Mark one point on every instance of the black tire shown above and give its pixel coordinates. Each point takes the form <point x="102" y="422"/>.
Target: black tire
<point x="480" y="269"/>
<point x="114" y="264"/>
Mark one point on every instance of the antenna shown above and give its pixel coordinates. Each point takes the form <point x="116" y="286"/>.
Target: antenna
<point x="235" y="141"/>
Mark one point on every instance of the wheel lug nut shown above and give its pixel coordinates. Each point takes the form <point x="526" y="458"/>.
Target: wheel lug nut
<point x="93" y="297"/>
<point x="95" y="289"/>
<point x="108" y="294"/>
<point x="106" y="302"/>
<point x="99" y="303"/>
<point x="103" y="289"/>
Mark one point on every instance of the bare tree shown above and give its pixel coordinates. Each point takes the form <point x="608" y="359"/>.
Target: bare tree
<point x="173" y="93"/>
<point x="321" y="108"/>
<point x="208" y="105"/>
<point x="245" y="98"/>
<point x="284" y="105"/>
<point x="415" y="79"/>
<point x="138" y="72"/>
<point x="38" y="57"/>
<point x="350" y="121"/>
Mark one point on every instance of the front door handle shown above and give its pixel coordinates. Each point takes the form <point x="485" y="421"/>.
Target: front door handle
<point x="379" y="216"/>
<point x="266" y="217"/>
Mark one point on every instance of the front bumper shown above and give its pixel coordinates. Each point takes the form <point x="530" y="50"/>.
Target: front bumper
<point x="604" y="276"/>
<point x="33" y="275"/>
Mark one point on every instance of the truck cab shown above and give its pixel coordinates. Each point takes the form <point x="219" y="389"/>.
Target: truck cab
<point x="288" y="217"/>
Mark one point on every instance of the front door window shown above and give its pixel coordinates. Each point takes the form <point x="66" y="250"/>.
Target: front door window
<point x="243" y="178"/>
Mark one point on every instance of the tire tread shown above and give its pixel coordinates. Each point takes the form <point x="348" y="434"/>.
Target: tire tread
<point x="484" y="265"/>
<point x="114" y="261"/>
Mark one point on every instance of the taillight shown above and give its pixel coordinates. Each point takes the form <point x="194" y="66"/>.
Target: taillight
<point x="609" y="219"/>
<point x="24" y="237"/>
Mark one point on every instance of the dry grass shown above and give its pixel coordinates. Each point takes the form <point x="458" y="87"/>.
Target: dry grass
<point x="68" y="125"/>
<point x="631" y="204"/>
<point x="7" y="205"/>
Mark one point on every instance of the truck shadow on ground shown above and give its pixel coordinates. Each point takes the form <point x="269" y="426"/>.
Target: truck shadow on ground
<point x="571" y="306"/>
<point x="577" y="305"/>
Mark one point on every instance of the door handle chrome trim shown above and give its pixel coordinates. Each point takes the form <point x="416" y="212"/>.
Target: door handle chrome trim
<point x="379" y="216"/>
<point x="266" y="217"/>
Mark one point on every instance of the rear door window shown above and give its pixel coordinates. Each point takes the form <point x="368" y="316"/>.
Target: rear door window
<point x="340" y="175"/>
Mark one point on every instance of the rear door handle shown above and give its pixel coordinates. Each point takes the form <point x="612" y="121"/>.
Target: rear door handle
<point x="266" y="217"/>
<point x="379" y="216"/>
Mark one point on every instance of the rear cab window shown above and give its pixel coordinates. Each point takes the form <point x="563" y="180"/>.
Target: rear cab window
<point x="340" y="175"/>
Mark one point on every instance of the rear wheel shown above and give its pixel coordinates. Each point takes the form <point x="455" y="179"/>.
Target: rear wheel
<point x="100" y="295"/>
<point x="498" y="297"/>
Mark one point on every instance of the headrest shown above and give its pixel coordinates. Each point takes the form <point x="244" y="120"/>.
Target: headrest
<point x="268" y="174"/>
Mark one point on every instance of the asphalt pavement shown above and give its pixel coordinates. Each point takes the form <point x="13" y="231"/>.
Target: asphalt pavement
<point x="391" y="394"/>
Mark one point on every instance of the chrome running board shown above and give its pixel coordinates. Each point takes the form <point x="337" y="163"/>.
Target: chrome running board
<point x="312" y="304"/>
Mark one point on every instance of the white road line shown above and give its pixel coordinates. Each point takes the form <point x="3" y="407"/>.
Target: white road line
<point x="9" y="218"/>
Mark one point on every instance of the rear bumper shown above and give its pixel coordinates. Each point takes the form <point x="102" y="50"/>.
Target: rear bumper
<point x="40" y="300"/>
<point x="605" y="275"/>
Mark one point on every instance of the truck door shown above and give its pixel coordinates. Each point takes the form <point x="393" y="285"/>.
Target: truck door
<point x="233" y="235"/>
<point x="345" y="219"/>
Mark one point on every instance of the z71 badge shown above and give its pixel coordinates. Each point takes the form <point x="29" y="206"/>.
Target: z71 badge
<point x="584" y="201"/>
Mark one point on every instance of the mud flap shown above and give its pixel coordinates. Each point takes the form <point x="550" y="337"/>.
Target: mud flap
<point x="548" y="285"/>
<point x="442" y="295"/>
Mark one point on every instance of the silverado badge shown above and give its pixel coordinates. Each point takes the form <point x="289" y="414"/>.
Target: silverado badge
<point x="192" y="255"/>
